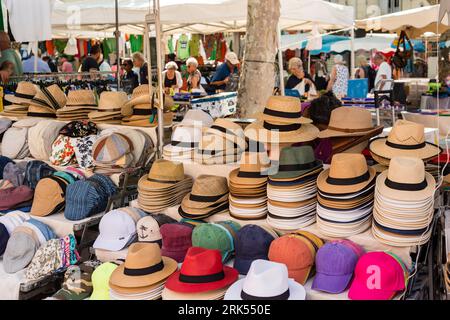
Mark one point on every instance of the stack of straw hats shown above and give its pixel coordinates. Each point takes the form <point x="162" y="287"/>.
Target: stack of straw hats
<point x="186" y="136"/>
<point x="140" y="112"/>
<point x="46" y="102"/>
<point x="209" y="196"/>
<point x="282" y="122"/>
<point x="346" y="196"/>
<point x="110" y="108"/>
<point x="165" y="186"/>
<point x="406" y="139"/>
<point x="112" y="154"/>
<point x="292" y="191"/>
<point x="404" y="203"/>
<point x="222" y="143"/>
<point x="20" y="100"/>
<point x="143" y="274"/>
<point x="248" y="187"/>
<point x="79" y="104"/>
<point x="350" y="129"/>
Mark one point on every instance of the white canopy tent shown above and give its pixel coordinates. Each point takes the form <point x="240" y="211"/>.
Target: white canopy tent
<point x="381" y="42"/>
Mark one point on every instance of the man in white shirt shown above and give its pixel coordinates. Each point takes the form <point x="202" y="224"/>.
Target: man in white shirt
<point x="384" y="72"/>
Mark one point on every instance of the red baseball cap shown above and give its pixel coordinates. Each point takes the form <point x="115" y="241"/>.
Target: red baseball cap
<point x="202" y="271"/>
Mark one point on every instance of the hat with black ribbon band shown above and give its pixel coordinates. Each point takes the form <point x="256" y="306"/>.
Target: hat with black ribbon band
<point x="45" y="115"/>
<point x="144" y="271"/>
<point x="349" y="130"/>
<point x="284" y="296"/>
<point x="406" y="147"/>
<point x="298" y="167"/>
<point x="406" y="186"/>
<point x="247" y="174"/>
<point x="144" y="112"/>
<point x="184" y="144"/>
<point x="162" y="181"/>
<point x="282" y="114"/>
<point x="202" y="279"/>
<point x="197" y="198"/>
<point x="282" y="128"/>
<point x="50" y="97"/>
<point x="417" y="232"/>
<point x="23" y="95"/>
<point x="349" y="181"/>
<point x="224" y="130"/>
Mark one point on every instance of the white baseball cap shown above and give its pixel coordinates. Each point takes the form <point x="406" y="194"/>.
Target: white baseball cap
<point x="116" y="229"/>
<point x="232" y="58"/>
<point x="148" y="230"/>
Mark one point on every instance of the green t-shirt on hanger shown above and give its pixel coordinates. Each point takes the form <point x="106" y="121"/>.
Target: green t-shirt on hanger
<point x="137" y="43"/>
<point x="183" y="47"/>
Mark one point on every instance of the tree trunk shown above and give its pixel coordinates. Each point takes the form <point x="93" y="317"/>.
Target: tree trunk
<point x="258" y="74"/>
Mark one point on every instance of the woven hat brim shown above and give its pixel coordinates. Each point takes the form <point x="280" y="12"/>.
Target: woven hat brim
<point x="301" y="120"/>
<point x="15" y="107"/>
<point x="188" y="203"/>
<point x="152" y="185"/>
<point x="329" y="133"/>
<point x="378" y="147"/>
<point x="71" y="108"/>
<point x="16" y="100"/>
<point x="324" y="186"/>
<point x="407" y="196"/>
<point x="104" y="115"/>
<point x="296" y="174"/>
<point x="235" y="179"/>
<point x="257" y="132"/>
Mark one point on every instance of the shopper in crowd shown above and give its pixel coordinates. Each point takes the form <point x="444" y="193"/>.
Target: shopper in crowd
<point x="223" y="72"/>
<point x="130" y="79"/>
<point x="9" y="54"/>
<point x="65" y="66"/>
<point x="339" y="77"/>
<point x="29" y="64"/>
<point x="90" y="63"/>
<point x="103" y="64"/>
<point x="172" y="78"/>
<point x="8" y="68"/>
<point x="139" y="62"/>
<point x="320" y="76"/>
<point x="384" y="72"/>
<point x="299" y="80"/>
<point x="195" y="77"/>
<point x="365" y="71"/>
<point x="48" y="60"/>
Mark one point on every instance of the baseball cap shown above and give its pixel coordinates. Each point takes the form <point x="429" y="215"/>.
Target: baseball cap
<point x="252" y="243"/>
<point x="100" y="281"/>
<point x="359" y="250"/>
<point x="378" y="276"/>
<point x="148" y="230"/>
<point x="335" y="263"/>
<point x="116" y="229"/>
<point x="214" y="236"/>
<point x="20" y="250"/>
<point x="232" y="58"/>
<point x="176" y="240"/>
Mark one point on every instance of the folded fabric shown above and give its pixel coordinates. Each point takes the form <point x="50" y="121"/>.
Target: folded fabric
<point x="11" y="197"/>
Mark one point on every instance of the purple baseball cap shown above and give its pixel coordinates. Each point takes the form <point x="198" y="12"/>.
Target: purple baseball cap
<point x="335" y="264"/>
<point x="359" y="250"/>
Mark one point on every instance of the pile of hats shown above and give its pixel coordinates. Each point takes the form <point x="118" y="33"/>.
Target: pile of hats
<point x="390" y="269"/>
<point x="404" y="203"/>
<point x="8" y="223"/>
<point x="143" y="274"/>
<point x="20" y="100"/>
<point x="43" y="134"/>
<point x="165" y="186"/>
<point x="140" y="112"/>
<point x="406" y="139"/>
<point x="186" y="136"/>
<point x="222" y="143"/>
<point x="209" y="196"/>
<point x="292" y="191"/>
<point x="220" y="236"/>
<point x="79" y="104"/>
<point x="110" y="108"/>
<point x="66" y="148"/>
<point x="346" y="196"/>
<point x="298" y="252"/>
<point x="46" y="102"/>
<point x="335" y="264"/>
<point x="23" y="244"/>
<point x="248" y="187"/>
<point x="112" y="153"/>
<point x="35" y="171"/>
<point x="202" y="277"/>
<point x="252" y="243"/>
<point x="85" y="198"/>
<point x="176" y="240"/>
<point x="349" y="131"/>
<point x="266" y="280"/>
<point x="15" y="140"/>
<point x="282" y="122"/>
<point x="15" y="198"/>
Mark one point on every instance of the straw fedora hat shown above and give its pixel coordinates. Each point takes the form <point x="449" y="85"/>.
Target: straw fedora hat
<point x="405" y="139"/>
<point x="24" y="93"/>
<point x="283" y="109"/>
<point x="228" y="130"/>
<point x="164" y="174"/>
<point x="206" y="192"/>
<point x="348" y="173"/>
<point x="280" y="132"/>
<point x="142" y="94"/>
<point x="214" y="145"/>
<point x="80" y="100"/>
<point x="144" y="266"/>
<point x="50" y="97"/>
<point x="406" y="180"/>
<point x="349" y="122"/>
<point x="295" y="162"/>
<point x="40" y="111"/>
<point x="110" y="106"/>
<point x="252" y="170"/>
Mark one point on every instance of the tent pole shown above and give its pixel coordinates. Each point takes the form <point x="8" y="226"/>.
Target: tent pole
<point x="117" y="34"/>
<point x="280" y="61"/>
<point x="160" y="78"/>
<point x="352" y="53"/>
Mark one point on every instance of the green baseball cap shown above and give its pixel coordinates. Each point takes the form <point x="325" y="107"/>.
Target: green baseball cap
<point x="100" y="281"/>
<point x="214" y="236"/>
<point x="295" y="162"/>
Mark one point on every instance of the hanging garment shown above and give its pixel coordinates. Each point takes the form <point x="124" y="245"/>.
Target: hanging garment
<point x="183" y="47"/>
<point x="60" y="44"/>
<point x="109" y="46"/>
<point x="71" y="48"/>
<point x="194" y="45"/>
<point x="30" y="20"/>
<point x="137" y="43"/>
<point x="50" y="47"/>
<point x="2" y="23"/>
<point x="209" y="42"/>
<point x="170" y="45"/>
<point x="202" y="52"/>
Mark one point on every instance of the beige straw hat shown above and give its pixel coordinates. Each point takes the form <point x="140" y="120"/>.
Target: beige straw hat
<point x="283" y="109"/>
<point x="110" y="106"/>
<point x="24" y="93"/>
<point x="207" y="191"/>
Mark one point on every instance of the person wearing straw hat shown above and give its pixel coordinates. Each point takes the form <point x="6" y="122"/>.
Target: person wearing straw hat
<point x="339" y="78"/>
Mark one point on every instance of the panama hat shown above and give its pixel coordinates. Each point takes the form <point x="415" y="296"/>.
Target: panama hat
<point x="266" y="280"/>
<point x="283" y="109"/>
<point x="197" y="118"/>
<point x="144" y="266"/>
<point x="405" y="139"/>
<point x="164" y="175"/>
<point x="279" y="132"/>
<point x="229" y="130"/>
<point x="79" y="104"/>
<point x="206" y="191"/>
<point x="110" y="106"/>
<point x="295" y="162"/>
<point x="51" y="97"/>
<point x="252" y="170"/>
<point x="184" y="139"/>
<point x="24" y="93"/>
<point x="211" y="146"/>
<point x="348" y="173"/>
<point x="349" y="122"/>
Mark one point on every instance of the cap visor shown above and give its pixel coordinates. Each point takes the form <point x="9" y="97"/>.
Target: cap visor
<point x="111" y="244"/>
<point x="360" y="291"/>
<point x="331" y="284"/>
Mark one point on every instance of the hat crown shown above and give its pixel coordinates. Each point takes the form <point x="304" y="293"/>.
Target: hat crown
<point x="297" y="155"/>
<point x="253" y="241"/>
<point x="81" y="97"/>
<point x="25" y="87"/>
<point x="148" y="229"/>
<point x="117" y="225"/>
<point x="143" y="89"/>
<point x="407" y="133"/>
<point x="407" y="170"/>
<point x="167" y="170"/>
<point x="111" y="147"/>
<point x="212" y="236"/>
<point x="142" y="255"/>
<point x="348" y="165"/>
<point x="206" y="185"/>
<point x="351" y="118"/>
<point x="254" y="162"/>
<point x="112" y="100"/>
<point x="294" y="252"/>
<point x="215" y="142"/>
<point x="200" y="262"/>
<point x="266" y="279"/>
<point x="197" y="117"/>
<point x="176" y="236"/>
<point x="187" y="134"/>
<point x="53" y="97"/>
<point x="284" y="104"/>
<point x="336" y="259"/>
